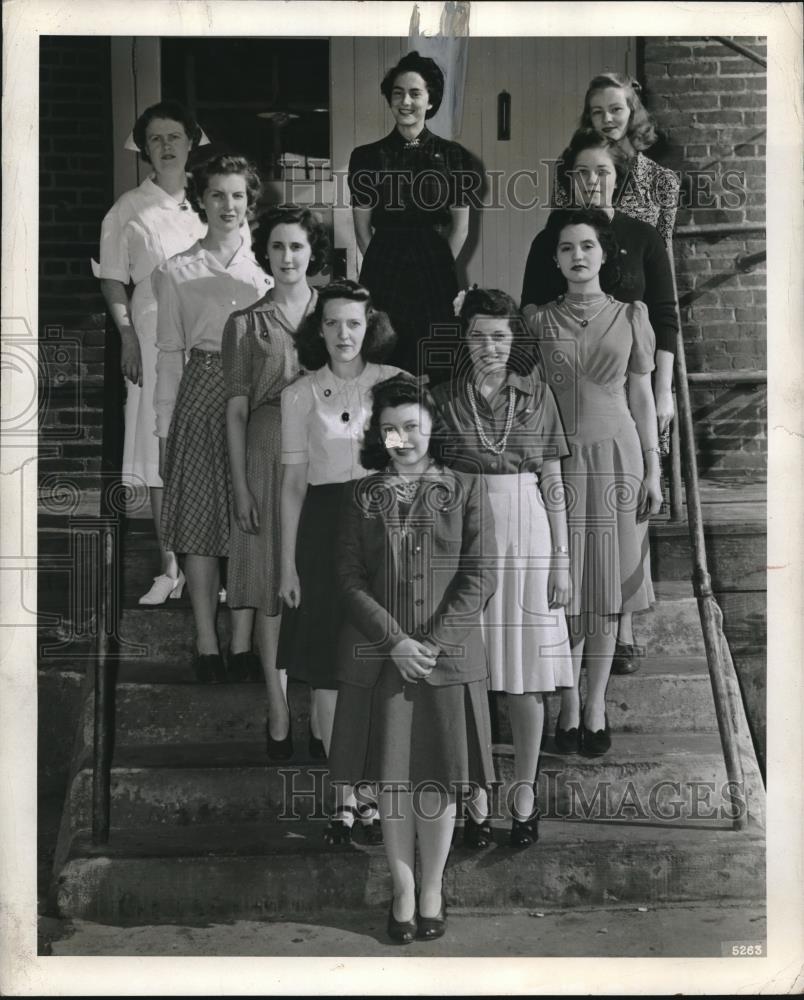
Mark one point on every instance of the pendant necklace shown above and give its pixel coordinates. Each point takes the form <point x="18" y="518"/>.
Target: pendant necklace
<point x="499" y="447"/>
<point x="584" y="321"/>
<point x="345" y="396"/>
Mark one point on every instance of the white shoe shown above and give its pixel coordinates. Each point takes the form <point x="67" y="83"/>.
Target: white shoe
<point x="163" y="587"/>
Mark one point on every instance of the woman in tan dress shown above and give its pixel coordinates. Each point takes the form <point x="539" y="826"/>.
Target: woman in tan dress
<point x="259" y="360"/>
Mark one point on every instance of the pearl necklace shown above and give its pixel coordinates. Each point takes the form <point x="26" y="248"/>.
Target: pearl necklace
<point x="584" y="321"/>
<point x="488" y="444"/>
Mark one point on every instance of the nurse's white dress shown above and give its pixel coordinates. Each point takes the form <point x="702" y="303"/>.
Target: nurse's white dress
<point x="142" y="229"/>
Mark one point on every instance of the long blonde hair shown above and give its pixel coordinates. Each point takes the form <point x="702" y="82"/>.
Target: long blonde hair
<point x="641" y="132"/>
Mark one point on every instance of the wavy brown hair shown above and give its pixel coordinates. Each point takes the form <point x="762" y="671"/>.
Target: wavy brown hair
<point x="378" y="343"/>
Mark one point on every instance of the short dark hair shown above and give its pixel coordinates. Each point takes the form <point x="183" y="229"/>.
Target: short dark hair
<point x="428" y="69"/>
<point x="310" y="222"/>
<point x="380" y="338"/>
<point x="397" y="391"/>
<point x="494" y="302"/>
<point x="641" y="131"/>
<point x="171" y="110"/>
<point x="223" y="165"/>
<point x="560" y="218"/>
<point x="589" y="138"/>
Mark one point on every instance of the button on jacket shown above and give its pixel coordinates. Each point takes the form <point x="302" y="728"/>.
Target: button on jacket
<point x="428" y="575"/>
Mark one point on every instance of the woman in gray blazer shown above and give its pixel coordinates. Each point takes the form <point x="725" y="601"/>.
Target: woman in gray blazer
<point x="416" y="565"/>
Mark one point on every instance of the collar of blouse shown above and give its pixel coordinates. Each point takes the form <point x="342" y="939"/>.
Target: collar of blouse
<point x="268" y="304"/>
<point x="330" y="383"/>
<point x="396" y="139"/>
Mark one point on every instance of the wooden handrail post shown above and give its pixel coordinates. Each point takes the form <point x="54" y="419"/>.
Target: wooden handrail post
<point x="708" y="610"/>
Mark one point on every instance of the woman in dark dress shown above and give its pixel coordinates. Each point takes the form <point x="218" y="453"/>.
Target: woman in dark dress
<point x="410" y="194"/>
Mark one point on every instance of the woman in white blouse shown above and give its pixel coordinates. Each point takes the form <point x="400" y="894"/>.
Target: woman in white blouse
<point x="196" y="291"/>
<point x="324" y="416"/>
<point x="142" y="229"/>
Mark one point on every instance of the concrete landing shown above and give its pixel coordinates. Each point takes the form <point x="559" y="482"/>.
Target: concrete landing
<point x="669" y="931"/>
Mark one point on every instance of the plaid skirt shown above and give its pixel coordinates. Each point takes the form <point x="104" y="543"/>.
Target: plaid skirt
<point x="411" y="276"/>
<point x="198" y="491"/>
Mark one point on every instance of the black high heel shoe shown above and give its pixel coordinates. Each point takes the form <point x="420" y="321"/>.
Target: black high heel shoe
<point x="209" y="668"/>
<point x="624" y="659"/>
<point x="476" y="835"/>
<point x="369" y="820"/>
<point x="338" y="832"/>
<point x="595" y="744"/>
<point x="431" y="928"/>
<point x="242" y="666"/>
<point x="315" y="748"/>
<point x="525" y="832"/>
<point x="401" y="931"/>
<point x="279" y="750"/>
<point x="568" y="741"/>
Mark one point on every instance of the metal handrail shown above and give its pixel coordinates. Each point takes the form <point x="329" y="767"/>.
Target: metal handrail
<point x="107" y="615"/>
<point x="708" y="609"/>
<point x="719" y="229"/>
<point x="727" y="378"/>
<point x="736" y="47"/>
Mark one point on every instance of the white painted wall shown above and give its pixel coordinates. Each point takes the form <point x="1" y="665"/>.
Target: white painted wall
<point x="546" y="78"/>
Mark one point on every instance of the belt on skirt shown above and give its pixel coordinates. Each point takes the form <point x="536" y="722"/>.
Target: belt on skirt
<point x="207" y="357"/>
<point x="511" y="482"/>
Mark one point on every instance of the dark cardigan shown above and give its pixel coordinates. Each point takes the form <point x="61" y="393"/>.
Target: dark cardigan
<point x="645" y="276"/>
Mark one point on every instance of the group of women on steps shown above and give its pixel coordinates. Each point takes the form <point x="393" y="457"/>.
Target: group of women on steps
<point x="404" y="548"/>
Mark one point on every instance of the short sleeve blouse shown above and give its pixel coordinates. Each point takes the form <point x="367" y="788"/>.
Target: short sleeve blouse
<point x="537" y="434"/>
<point x="144" y="227"/>
<point x="258" y="351"/>
<point x="412" y="184"/>
<point x="643" y="339"/>
<point x="324" y="419"/>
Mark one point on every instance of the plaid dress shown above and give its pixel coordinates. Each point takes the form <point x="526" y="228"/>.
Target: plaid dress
<point x="408" y="267"/>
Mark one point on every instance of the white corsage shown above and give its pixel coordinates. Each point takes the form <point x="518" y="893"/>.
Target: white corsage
<point x="457" y="302"/>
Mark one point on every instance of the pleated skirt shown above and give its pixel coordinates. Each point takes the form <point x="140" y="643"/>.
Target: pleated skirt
<point x="253" y="572"/>
<point x="198" y="494"/>
<point x="417" y="733"/>
<point x="526" y="640"/>
<point x="308" y="636"/>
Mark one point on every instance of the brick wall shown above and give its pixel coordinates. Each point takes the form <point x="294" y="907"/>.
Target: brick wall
<point x="75" y="163"/>
<point x="710" y="105"/>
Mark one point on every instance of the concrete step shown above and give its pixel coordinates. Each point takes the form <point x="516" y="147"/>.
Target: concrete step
<point x="165" y="634"/>
<point x="666" y="777"/>
<point x="736" y="554"/>
<point x="224" y="873"/>
<point x="665" y="694"/>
